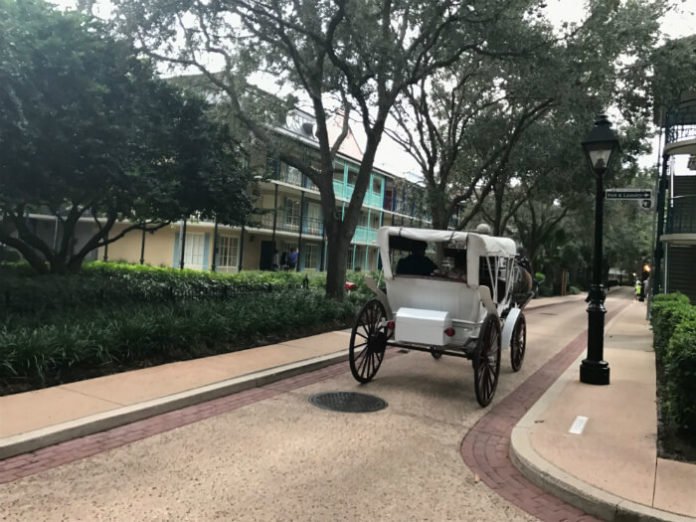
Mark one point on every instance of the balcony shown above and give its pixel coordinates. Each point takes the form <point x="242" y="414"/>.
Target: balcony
<point x="680" y="130"/>
<point x="365" y="235"/>
<point x="681" y="220"/>
<point x="290" y="222"/>
<point x="345" y="192"/>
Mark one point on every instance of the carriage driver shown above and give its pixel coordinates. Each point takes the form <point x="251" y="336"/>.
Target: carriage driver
<point x="416" y="263"/>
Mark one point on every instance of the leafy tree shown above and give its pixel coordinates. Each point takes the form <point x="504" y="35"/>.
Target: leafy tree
<point x="515" y="119"/>
<point x="342" y="56"/>
<point x="87" y="131"/>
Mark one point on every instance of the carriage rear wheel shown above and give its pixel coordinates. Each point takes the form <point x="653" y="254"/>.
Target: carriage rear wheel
<point x="435" y="352"/>
<point x="487" y="360"/>
<point x="518" y="343"/>
<point x="368" y="340"/>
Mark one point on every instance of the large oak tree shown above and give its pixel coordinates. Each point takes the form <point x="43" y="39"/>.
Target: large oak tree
<point x="87" y="131"/>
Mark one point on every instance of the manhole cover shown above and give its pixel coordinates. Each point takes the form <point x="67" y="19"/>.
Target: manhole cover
<point x="349" y="402"/>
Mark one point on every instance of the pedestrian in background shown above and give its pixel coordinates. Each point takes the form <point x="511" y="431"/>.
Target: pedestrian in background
<point x="293" y="256"/>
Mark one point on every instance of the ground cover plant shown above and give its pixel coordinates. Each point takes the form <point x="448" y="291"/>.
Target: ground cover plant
<point x="115" y="317"/>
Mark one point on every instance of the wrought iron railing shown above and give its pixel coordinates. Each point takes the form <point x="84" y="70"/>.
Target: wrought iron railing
<point x="290" y="222"/>
<point x="681" y="123"/>
<point x="681" y="216"/>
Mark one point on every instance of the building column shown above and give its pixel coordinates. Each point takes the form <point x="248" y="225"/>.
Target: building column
<point x="657" y="284"/>
<point x="142" y="248"/>
<point x="213" y="264"/>
<point x="240" y="261"/>
<point x="322" y="254"/>
<point x="299" y="238"/>
<point x="275" y="215"/>
<point x="367" y="248"/>
<point x="183" y="245"/>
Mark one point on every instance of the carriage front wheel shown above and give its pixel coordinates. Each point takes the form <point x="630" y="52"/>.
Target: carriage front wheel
<point x="518" y="343"/>
<point x="368" y="341"/>
<point x="487" y="360"/>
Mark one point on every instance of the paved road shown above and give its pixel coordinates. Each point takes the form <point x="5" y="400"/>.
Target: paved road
<point x="283" y="459"/>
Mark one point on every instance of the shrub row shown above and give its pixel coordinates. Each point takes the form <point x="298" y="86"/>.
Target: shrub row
<point x="118" y="284"/>
<point x="84" y="340"/>
<point x="674" y="327"/>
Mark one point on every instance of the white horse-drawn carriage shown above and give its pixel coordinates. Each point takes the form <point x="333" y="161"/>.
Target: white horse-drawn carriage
<point x="471" y="306"/>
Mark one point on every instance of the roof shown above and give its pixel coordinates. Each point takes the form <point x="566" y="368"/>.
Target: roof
<point x="300" y="125"/>
<point x="475" y="244"/>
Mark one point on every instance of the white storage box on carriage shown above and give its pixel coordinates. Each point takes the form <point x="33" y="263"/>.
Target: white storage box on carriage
<point x="417" y="325"/>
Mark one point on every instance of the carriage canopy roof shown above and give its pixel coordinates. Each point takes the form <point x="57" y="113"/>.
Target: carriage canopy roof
<point x="475" y="244"/>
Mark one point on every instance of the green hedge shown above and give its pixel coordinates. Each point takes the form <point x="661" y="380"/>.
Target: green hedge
<point x="668" y="310"/>
<point x="680" y="375"/>
<point x="118" y="284"/>
<point x="674" y="327"/>
<point x="56" y="328"/>
<point x="45" y="354"/>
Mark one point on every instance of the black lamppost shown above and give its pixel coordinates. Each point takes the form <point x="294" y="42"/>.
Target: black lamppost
<point x="599" y="146"/>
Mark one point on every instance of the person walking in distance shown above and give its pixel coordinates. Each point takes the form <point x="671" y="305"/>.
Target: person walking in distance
<point x="293" y="256"/>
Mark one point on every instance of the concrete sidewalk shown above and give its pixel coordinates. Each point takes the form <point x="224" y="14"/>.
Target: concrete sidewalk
<point x="610" y="467"/>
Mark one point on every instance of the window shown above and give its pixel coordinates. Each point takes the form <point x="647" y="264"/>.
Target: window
<point x="313" y="221"/>
<point x="308" y="183"/>
<point x="376" y="185"/>
<point x="363" y="219"/>
<point x="338" y="173"/>
<point x="292" y="212"/>
<point x="193" y="251"/>
<point x="228" y="252"/>
<point x="359" y="261"/>
<point x="294" y="176"/>
<point x="311" y="255"/>
<point x="352" y="177"/>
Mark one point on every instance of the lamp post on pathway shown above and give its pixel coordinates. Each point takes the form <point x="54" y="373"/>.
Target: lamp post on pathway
<point x="600" y="146"/>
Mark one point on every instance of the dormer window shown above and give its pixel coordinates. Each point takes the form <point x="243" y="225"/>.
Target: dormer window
<point x="308" y="129"/>
<point x="302" y="123"/>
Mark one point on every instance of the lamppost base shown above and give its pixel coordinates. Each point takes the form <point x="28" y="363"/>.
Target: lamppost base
<point x="594" y="372"/>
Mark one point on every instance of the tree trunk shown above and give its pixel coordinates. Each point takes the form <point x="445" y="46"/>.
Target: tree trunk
<point x="337" y="256"/>
<point x="440" y="216"/>
<point x="33" y="257"/>
<point x="498" y="216"/>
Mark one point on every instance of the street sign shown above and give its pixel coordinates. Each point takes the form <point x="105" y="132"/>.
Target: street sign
<point x="629" y="193"/>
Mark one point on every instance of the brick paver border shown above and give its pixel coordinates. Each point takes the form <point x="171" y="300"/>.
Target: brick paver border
<point x="485" y="448"/>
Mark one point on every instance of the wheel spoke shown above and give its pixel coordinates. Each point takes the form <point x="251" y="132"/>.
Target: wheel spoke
<point x="362" y="353"/>
<point x="364" y="362"/>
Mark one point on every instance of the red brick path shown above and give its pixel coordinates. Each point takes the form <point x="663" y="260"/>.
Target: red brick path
<point x="486" y="446"/>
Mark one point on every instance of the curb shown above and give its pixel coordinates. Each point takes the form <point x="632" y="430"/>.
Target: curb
<point x="572" y="490"/>
<point x="584" y="496"/>
<point x="41" y="438"/>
